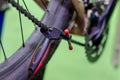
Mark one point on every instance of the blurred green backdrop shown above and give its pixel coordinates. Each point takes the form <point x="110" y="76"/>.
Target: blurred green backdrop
<point x="65" y="64"/>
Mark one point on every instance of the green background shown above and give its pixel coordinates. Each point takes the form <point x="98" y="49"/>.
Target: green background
<point x="65" y="64"/>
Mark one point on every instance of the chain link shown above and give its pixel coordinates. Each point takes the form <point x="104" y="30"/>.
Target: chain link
<point x="28" y="15"/>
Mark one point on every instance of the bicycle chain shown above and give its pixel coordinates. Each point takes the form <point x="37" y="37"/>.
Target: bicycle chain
<point x="28" y="15"/>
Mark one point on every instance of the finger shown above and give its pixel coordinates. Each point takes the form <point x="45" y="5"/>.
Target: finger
<point x="80" y="18"/>
<point x="79" y="7"/>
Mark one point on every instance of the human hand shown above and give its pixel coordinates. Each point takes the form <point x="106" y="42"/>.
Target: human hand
<point x="79" y="25"/>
